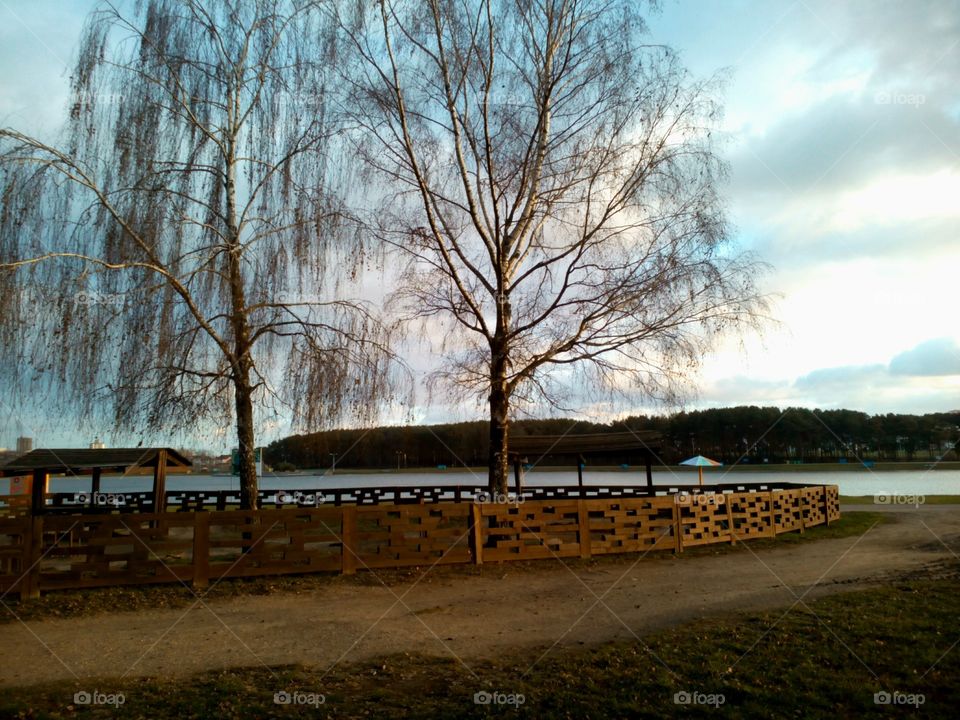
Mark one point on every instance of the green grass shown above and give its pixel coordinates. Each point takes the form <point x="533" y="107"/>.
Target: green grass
<point x="927" y="499"/>
<point x="823" y="659"/>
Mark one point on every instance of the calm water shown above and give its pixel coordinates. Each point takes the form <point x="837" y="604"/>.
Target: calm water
<point x="865" y="482"/>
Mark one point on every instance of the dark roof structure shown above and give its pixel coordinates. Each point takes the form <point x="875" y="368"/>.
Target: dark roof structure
<point x="82" y="460"/>
<point x="78" y="462"/>
<point x="581" y="444"/>
<point x="523" y="448"/>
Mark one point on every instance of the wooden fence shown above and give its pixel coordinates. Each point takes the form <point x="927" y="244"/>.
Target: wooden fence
<point x="59" y="551"/>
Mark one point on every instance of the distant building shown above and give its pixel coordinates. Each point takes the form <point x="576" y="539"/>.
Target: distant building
<point x="24" y="445"/>
<point x="97" y="444"/>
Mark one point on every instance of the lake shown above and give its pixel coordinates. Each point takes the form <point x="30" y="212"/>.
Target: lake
<point x="860" y="482"/>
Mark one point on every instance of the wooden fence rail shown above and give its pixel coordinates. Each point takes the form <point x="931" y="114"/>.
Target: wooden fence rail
<point x="60" y="551"/>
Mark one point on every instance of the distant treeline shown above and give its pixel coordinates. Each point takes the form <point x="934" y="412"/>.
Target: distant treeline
<point x="756" y="434"/>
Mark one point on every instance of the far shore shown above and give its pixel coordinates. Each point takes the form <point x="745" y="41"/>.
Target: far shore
<point x="741" y="467"/>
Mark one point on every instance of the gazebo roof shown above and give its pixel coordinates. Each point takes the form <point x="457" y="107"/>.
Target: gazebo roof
<point x="82" y="460"/>
<point x="579" y="444"/>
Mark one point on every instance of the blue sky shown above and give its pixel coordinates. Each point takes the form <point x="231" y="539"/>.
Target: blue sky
<point x="842" y="130"/>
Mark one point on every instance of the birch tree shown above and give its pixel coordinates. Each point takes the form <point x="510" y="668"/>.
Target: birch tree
<point x="555" y="192"/>
<point x="181" y="244"/>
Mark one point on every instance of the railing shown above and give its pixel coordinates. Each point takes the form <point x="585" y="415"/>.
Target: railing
<point x="58" y="550"/>
<point x="193" y="500"/>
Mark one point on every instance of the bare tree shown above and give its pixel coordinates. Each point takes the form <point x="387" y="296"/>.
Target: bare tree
<point x="556" y="194"/>
<point x="190" y="223"/>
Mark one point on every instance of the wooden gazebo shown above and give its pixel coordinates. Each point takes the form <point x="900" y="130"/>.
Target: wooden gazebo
<point x="526" y="448"/>
<point x="78" y="463"/>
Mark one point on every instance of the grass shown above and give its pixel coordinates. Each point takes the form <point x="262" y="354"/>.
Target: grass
<point x="927" y="499"/>
<point x="822" y="659"/>
<point x="96" y="601"/>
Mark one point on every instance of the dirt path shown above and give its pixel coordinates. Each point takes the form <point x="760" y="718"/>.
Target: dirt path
<point x="474" y="616"/>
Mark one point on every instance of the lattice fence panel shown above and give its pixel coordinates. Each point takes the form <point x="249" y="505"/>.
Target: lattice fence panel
<point x="14" y="543"/>
<point x="703" y="518"/>
<point x="814" y="512"/>
<point x="787" y="510"/>
<point x="274" y="542"/>
<point x="129" y="549"/>
<point x="833" y="502"/>
<point x="532" y="530"/>
<point x="401" y="535"/>
<point x="630" y="525"/>
<point x="750" y="512"/>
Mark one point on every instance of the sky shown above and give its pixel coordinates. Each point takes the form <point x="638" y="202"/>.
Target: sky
<point x="842" y="134"/>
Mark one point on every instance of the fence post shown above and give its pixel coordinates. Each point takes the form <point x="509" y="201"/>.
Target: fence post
<point x="583" y="518"/>
<point x="677" y="527"/>
<point x="772" y="513"/>
<point x="729" y="504"/>
<point x="476" y="533"/>
<point x="201" y="549"/>
<point x="348" y="537"/>
<point x="826" y="506"/>
<point x="32" y="552"/>
<point x="803" y="523"/>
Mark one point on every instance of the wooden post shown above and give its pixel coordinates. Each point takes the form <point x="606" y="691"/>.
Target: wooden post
<point x="729" y="505"/>
<point x="583" y="518"/>
<point x="201" y="549"/>
<point x="772" y="513"/>
<point x="580" y="463"/>
<point x="348" y="537"/>
<point x="677" y="528"/>
<point x="476" y="533"/>
<point x="30" y="585"/>
<point x="800" y="505"/>
<point x="826" y="506"/>
<point x="160" y="483"/>
<point x="516" y="475"/>
<point x="95" y="483"/>
<point x="649" y="473"/>
<point x="38" y="491"/>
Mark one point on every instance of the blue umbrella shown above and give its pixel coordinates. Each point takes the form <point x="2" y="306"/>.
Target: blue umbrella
<point x="700" y="462"/>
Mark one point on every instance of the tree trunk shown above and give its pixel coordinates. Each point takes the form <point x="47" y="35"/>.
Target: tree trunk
<point x="249" y="483"/>
<point x="499" y="425"/>
<point x="243" y="393"/>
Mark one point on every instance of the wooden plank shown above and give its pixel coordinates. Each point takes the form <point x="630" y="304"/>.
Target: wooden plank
<point x="32" y="560"/>
<point x="476" y="533"/>
<point x="348" y="562"/>
<point x="201" y="550"/>
<point x="733" y="538"/>
<point x="160" y="482"/>
<point x="677" y="530"/>
<point x="583" y="518"/>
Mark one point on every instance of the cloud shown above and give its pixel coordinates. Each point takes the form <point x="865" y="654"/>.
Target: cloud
<point x="933" y="358"/>
<point x="925" y="378"/>
<point x="842" y="379"/>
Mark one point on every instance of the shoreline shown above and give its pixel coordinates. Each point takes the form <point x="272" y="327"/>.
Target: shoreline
<point x="779" y="468"/>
